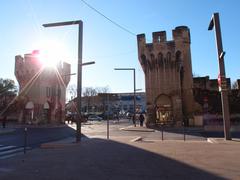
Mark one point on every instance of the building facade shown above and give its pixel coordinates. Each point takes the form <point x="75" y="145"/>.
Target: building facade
<point x="42" y="89"/>
<point x="168" y="76"/>
<point x="209" y="84"/>
<point x="208" y="102"/>
<point x="110" y="104"/>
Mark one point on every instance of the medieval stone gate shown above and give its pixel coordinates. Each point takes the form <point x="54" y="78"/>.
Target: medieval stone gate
<point x="168" y="76"/>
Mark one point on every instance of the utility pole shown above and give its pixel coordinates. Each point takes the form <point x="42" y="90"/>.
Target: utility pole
<point x="79" y="69"/>
<point x="134" y="91"/>
<point x="215" y="22"/>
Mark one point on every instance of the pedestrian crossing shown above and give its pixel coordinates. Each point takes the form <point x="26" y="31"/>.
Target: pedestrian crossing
<point x="10" y="151"/>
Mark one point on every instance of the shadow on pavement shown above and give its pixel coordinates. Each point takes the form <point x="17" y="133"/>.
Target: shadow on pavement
<point x="100" y="159"/>
<point x="220" y="134"/>
<point x="188" y="131"/>
<point x="37" y="135"/>
<point x="49" y="135"/>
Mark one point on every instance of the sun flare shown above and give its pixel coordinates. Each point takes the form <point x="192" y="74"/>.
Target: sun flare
<point x="51" y="52"/>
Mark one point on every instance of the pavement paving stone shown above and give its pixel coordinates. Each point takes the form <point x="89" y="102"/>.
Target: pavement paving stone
<point x="121" y="159"/>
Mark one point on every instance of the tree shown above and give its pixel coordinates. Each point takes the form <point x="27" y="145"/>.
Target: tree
<point x="235" y="85"/>
<point x="103" y="89"/>
<point x="72" y="90"/>
<point x="8" y="91"/>
<point x="90" y="91"/>
<point x="195" y="75"/>
<point x="7" y="86"/>
<point x="87" y="93"/>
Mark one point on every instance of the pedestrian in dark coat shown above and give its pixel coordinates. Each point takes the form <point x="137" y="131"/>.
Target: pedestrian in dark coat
<point x="4" y="121"/>
<point x="141" y="119"/>
<point x="134" y="120"/>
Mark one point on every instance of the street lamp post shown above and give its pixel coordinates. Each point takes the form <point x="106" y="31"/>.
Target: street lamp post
<point x="223" y="83"/>
<point x="79" y="71"/>
<point x="134" y="91"/>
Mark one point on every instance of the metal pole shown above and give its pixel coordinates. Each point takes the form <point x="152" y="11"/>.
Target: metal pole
<point x="25" y="140"/>
<point x="134" y="99"/>
<point x="224" y="91"/>
<point x="79" y="73"/>
<point x="162" y="130"/>
<point x="108" y="117"/>
<point x="184" y="134"/>
<point x="134" y="92"/>
<point x="79" y="82"/>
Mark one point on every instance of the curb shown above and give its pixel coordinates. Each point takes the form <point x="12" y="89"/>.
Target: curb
<point x="136" y="129"/>
<point x="212" y="140"/>
<point x="174" y="140"/>
<point x="222" y="140"/>
<point x="139" y="138"/>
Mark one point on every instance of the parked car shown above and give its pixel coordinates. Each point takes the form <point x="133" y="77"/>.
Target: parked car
<point x="72" y="117"/>
<point x="94" y="117"/>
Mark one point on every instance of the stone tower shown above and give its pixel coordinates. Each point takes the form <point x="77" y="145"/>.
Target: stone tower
<point x="168" y="76"/>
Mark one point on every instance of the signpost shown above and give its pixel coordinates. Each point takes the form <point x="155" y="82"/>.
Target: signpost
<point x="222" y="77"/>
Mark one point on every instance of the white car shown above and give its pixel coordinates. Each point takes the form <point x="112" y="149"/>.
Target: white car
<point x="94" y="117"/>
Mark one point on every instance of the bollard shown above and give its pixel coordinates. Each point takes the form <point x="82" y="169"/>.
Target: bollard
<point x="107" y="128"/>
<point x="162" y="130"/>
<point x="25" y="140"/>
<point x="184" y="134"/>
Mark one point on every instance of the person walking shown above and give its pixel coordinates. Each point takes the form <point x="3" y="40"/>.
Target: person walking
<point x="141" y="119"/>
<point x="134" y="120"/>
<point x="4" y="121"/>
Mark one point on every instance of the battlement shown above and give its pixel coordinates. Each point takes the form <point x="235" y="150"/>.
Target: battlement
<point x="28" y="66"/>
<point x="180" y="33"/>
<point x="159" y="36"/>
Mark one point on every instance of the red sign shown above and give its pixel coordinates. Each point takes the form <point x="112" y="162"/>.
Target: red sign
<point x="205" y="99"/>
<point x="219" y="80"/>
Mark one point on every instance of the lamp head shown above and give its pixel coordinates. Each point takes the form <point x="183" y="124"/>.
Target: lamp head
<point x="211" y="24"/>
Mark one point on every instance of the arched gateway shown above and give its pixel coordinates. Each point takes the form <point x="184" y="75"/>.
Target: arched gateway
<point x="163" y="109"/>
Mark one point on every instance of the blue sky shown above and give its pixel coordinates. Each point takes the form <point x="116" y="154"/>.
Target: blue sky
<point x="109" y="46"/>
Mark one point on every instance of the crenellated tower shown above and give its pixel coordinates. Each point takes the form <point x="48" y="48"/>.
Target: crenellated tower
<point x="168" y="76"/>
<point x="42" y="89"/>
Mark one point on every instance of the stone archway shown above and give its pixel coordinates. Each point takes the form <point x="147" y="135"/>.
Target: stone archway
<point x="29" y="112"/>
<point x="46" y="112"/>
<point x="164" y="112"/>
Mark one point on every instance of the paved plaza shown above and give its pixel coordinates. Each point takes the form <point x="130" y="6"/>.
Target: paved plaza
<point x="129" y="156"/>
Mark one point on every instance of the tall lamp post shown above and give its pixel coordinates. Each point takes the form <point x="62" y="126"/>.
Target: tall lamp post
<point x="134" y="90"/>
<point x="79" y="71"/>
<point x="215" y="22"/>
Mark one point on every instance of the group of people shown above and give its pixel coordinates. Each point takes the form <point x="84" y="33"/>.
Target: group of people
<point x="141" y="119"/>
